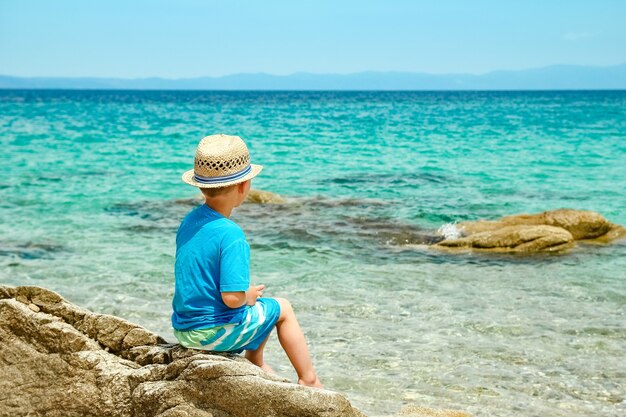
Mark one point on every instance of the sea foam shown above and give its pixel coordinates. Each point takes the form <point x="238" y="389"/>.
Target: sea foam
<point x="449" y="231"/>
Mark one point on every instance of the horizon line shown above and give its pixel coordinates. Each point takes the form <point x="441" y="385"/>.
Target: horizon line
<point x="136" y="78"/>
<point x="233" y="90"/>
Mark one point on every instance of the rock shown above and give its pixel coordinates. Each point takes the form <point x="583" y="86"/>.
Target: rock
<point x="515" y="239"/>
<point x="264" y="197"/>
<point x="68" y="361"/>
<point x="34" y="307"/>
<point x="549" y="231"/>
<point x="615" y="232"/>
<point x="581" y="224"/>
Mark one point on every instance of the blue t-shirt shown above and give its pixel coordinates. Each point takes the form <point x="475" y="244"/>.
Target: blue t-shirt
<point x="212" y="256"/>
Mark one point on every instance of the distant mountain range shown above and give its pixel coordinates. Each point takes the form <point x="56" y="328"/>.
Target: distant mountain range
<point x="556" y="77"/>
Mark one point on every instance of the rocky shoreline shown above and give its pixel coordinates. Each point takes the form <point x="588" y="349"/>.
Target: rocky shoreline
<point x="58" y="359"/>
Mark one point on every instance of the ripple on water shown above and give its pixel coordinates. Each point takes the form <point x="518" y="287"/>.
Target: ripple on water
<point x="30" y="250"/>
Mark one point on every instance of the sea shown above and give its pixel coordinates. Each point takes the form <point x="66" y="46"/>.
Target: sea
<point x="91" y="197"/>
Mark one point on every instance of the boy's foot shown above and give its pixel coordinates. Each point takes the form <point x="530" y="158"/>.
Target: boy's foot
<point x="313" y="383"/>
<point x="267" y="369"/>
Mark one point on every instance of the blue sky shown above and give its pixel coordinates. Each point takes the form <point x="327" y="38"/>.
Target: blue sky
<point x="192" y="38"/>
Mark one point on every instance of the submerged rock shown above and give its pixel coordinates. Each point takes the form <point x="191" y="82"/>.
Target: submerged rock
<point x="519" y="238"/>
<point x="549" y="231"/>
<point x="30" y="250"/>
<point x="61" y="360"/>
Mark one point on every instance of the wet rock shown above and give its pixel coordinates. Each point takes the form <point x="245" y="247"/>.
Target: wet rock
<point x="515" y="239"/>
<point x="68" y="361"/>
<point x="549" y="231"/>
<point x="264" y="197"/>
<point x="616" y="232"/>
<point x="580" y="223"/>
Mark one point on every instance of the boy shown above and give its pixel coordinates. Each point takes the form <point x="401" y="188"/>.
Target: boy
<point x="215" y="307"/>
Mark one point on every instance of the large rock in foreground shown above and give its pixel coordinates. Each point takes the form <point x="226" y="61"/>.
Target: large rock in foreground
<point x="549" y="231"/>
<point x="57" y="359"/>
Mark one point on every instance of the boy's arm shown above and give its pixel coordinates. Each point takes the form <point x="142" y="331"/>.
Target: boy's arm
<point x="239" y="298"/>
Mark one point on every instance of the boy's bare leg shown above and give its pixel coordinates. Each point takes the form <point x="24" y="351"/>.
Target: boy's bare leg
<point x="293" y="342"/>
<point x="256" y="357"/>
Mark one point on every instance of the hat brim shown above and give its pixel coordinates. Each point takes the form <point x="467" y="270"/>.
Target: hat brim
<point x="188" y="177"/>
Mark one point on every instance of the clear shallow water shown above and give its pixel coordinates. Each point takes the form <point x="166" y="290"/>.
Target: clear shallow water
<point x="90" y="201"/>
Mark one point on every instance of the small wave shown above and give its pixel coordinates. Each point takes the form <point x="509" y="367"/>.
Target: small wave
<point x="449" y="231"/>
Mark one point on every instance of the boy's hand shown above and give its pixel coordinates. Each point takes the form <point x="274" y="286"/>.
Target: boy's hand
<point x="254" y="292"/>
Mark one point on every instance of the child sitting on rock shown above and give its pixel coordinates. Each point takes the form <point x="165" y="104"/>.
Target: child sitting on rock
<point x="215" y="306"/>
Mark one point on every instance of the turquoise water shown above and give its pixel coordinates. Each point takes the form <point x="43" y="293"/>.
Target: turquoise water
<point x="91" y="197"/>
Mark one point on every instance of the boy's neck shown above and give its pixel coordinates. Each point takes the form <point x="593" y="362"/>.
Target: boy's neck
<point x="222" y="207"/>
<point x="225" y="203"/>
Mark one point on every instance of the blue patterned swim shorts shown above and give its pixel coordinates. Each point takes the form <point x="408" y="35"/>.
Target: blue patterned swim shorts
<point x="257" y="323"/>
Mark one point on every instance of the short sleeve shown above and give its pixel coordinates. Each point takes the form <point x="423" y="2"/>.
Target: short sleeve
<point x="235" y="266"/>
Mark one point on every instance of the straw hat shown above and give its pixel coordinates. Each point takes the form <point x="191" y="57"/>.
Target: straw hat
<point x="221" y="160"/>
